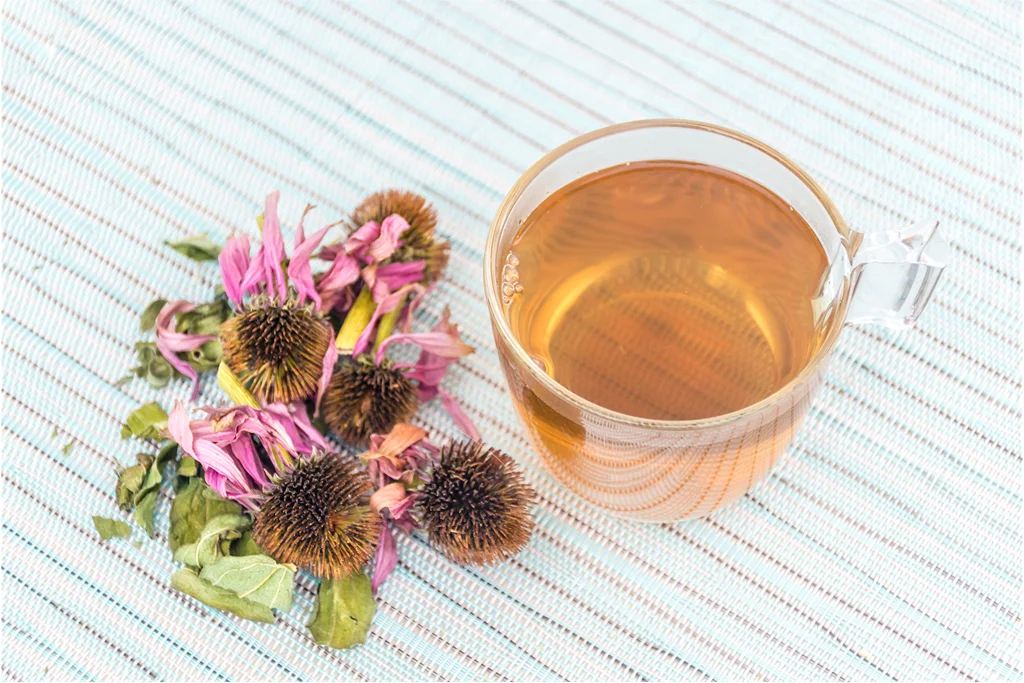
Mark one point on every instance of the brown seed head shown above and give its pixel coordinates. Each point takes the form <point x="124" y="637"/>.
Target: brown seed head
<point x="275" y="349"/>
<point x="364" y="398"/>
<point x="476" y="506"/>
<point x="316" y="517"/>
<point x="419" y="241"/>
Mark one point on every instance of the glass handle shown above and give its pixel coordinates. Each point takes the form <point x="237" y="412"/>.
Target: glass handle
<point x="894" y="274"/>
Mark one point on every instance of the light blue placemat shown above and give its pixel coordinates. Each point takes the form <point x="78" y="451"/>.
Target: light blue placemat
<point x="887" y="546"/>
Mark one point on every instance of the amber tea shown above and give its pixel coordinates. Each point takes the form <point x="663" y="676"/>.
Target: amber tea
<point x="664" y="323"/>
<point x="666" y="290"/>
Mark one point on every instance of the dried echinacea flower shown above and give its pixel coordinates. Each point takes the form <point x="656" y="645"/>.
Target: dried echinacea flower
<point x="365" y="398"/>
<point x="316" y="517"/>
<point x="419" y="242"/>
<point x="277" y="349"/>
<point x="475" y="507"/>
<point x="279" y="344"/>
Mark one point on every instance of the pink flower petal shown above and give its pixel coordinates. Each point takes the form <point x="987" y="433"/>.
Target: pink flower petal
<point x="273" y="249"/>
<point x="309" y="433"/>
<point x="245" y="453"/>
<point x="438" y="343"/>
<point x="359" y="241"/>
<point x="234" y="262"/>
<point x="169" y="342"/>
<point x="217" y="481"/>
<point x="342" y="273"/>
<point x="387" y="497"/>
<point x="299" y="271"/>
<point x="254" y="274"/>
<point x="178" y="427"/>
<point x="400" y="438"/>
<point x="401" y="513"/>
<point x="385" y="559"/>
<point x="388" y="240"/>
<point x="458" y="416"/>
<point x="330" y="358"/>
<point x="393" y="276"/>
<point x="214" y="457"/>
<point x="405" y="318"/>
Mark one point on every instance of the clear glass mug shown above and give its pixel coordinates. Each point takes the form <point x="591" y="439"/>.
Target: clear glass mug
<point x="657" y="470"/>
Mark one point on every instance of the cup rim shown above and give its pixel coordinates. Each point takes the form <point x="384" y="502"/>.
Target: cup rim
<point x="502" y="327"/>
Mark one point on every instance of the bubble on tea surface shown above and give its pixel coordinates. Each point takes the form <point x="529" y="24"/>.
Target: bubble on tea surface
<point x="510" y="285"/>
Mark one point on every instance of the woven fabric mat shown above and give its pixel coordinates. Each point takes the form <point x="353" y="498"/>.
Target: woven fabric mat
<point x="887" y="545"/>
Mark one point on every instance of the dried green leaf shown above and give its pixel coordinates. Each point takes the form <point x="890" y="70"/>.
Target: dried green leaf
<point x="206" y="357"/>
<point x="130" y="481"/>
<point x="197" y="248"/>
<point x="66" y="449"/>
<point x="206" y="548"/>
<point x="121" y="382"/>
<point x="194" y="505"/>
<point x="258" y="578"/>
<point x="145" y="352"/>
<point x="154" y="469"/>
<point x="148" y="319"/>
<point x="145" y="422"/>
<point x="111" y="528"/>
<point x="159" y="373"/>
<point x="145" y="505"/>
<point x="190" y="583"/>
<point x="245" y="546"/>
<point x="342" y="612"/>
<point x="188" y="467"/>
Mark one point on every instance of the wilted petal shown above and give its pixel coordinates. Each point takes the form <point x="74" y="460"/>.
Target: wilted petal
<point x="179" y="429"/>
<point x="385" y="559"/>
<point x="330" y="358"/>
<point x="245" y="453"/>
<point x="458" y="416"/>
<point x="388" y="278"/>
<point x="217" y="481"/>
<point x="169" y="342"/>
<point x="255" y="273"/>
<point x="440" y="344"/>
<point x="309" y="433"/>
<point x="214" y="457"/>
<point x="387" y="497"/>
<point x="299" y="272"/>
<point x="273" y="249"/>
<point x="234" y="262"/>
<point x="401" y="514"/>
<point x="401" y="437"/>
<point x="388" y="240"/>
<point x="342" y="273"/>
<point x="405" y="318"/>
<point x="359" y="241"/>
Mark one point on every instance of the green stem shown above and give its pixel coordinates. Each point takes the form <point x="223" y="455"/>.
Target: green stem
<point x="387" y="326"/>
<point x="358" y="318"/>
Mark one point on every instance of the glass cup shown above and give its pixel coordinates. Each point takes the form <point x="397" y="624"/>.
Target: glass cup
<point x="660" y="470"/>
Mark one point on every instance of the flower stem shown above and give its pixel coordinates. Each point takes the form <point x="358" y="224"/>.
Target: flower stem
<point x="234" y="388"/>
<point x="358" y="318"/>
<point x="386" y="326"/>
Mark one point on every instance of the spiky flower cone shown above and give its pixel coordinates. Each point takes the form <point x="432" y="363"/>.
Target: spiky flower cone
<point x="364" y="398"/>
<point x="277" y="350"/>
<point x="476" y="506"/>
<point x="418" y="242"/>
<point x="316" y="517"/>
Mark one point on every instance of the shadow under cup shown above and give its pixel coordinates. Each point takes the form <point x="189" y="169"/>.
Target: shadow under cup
<point x="659" y="470"/>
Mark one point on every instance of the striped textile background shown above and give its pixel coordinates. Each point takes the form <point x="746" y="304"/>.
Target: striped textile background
<point x="887" y="545"/>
